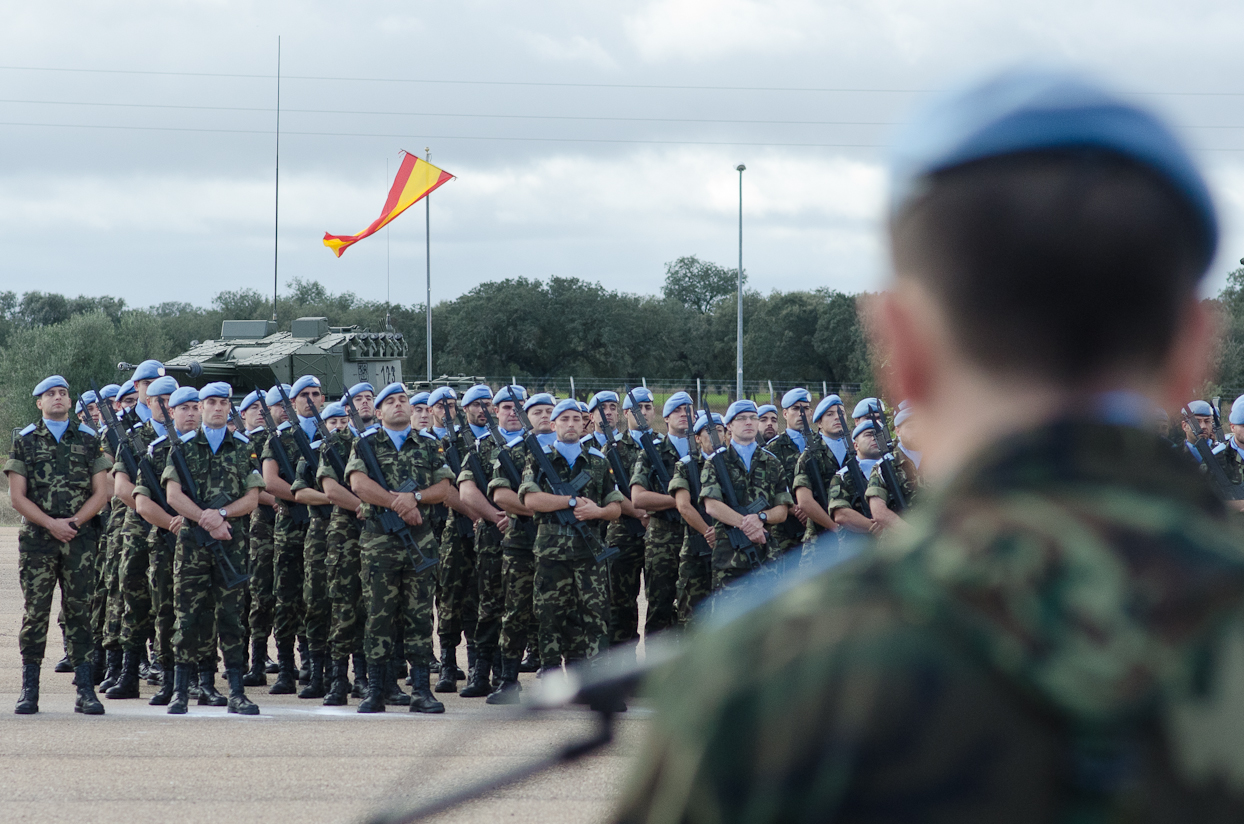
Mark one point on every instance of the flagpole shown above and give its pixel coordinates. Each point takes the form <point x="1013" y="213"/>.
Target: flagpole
<point x="276" y="210"/>
<point x="427" y="203"/>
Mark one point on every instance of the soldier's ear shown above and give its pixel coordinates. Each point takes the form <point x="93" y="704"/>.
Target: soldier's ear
<point x="1191" y="354"/>
<point x="908" y="349"/>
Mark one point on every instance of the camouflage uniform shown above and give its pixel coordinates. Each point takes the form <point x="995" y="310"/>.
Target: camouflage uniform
<point x="766" y="479"/>
<point x="695" y="557"/>
<point x="160" y="569"/>
<point x="827" y="465"/>
<point x="317" y="607"/>
<point x="137" y="616"/>
<point x="58" y="481"/>
<point x="394" y="593"/>
<point x="204" y="610"/>
<point x="262" y="536"/>
<point x="489" y="585"/>
<point x="625" y="567"/>
<point x="908" y="478"/>
<point x="788" y="535"/>
<point x="1056" y="640"/>
<point x="457" y="588"/>
<point x="345" y="578"/>
<point x="518" y="567"/>
<point x="572" y="600"/>
<point x="106" y="592"/>
<point x="663" y="543"/>
<point x="288" y="573"/>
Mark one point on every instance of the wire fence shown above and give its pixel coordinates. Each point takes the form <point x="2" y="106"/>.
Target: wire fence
<point x="720" y="393"/>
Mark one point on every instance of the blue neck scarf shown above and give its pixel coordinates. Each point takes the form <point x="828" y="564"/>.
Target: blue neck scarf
<point x="636" y="435"/>
<point x="398" y="436"/>
<point x="308" y="427"/>
<point x="215" y="437"/>
<point x="866" y="465"/>
<point x="798" y="438"/>
<point x="480" y="431"/>
<point x="838" y="446"/>
<point x="160" y="429"/>
<point x="680" y="444"/>
<point x="911" y="454"/>
<point x="547" y="439"/>
<point x="509" y="436"/>
<point x="440" y="431"/>
<point x="144" y="413"/>
<point x="745" y="451"/>
<point x="569" y="451"/>
<point x="57" y="428"/>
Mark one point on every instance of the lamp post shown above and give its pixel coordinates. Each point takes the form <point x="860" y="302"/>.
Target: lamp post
<point x="738" y="387"/>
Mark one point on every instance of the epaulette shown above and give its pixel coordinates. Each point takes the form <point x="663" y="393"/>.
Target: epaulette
<point x="283" y="426"/>
<point x="189" y="436"/>
<point x="160" y="439"/>
<point x="28" y="430"/>
<point x="547" y="447"/>
<point x="316" y="444"/>
<point x="1222" y="447"/>
<point x="370" y="431"/>
<point x="256" y="430"/>
<point x="588" y="437"/>
<point x="770" y="454"/>
<point x="685" y="459"/>
<point x="241" y="437"/>
<point x="591" y="450"/>
<point x="425" y="433"/>
<point x="842" y="472"/>
<point x="515" y="442"/>
<point x="88" y="430"/>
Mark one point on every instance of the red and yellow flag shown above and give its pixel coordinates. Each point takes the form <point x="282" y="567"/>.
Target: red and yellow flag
<point x="415" y="179"/>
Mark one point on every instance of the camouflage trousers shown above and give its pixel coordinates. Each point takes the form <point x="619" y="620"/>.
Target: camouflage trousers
<point x="287" y="579"/>
<point x="160" y="579"/>
<point x="728" y="584"/>
<point x="345" y="585"/>
<point x="572" y="605"/>
<point x="664" y="542"/>
<point x="399" y="600"/>
<point x="42" y="564"/>
<point x="204" y="610"/>
<point x="317" y="607"/>
<point x="695" y="577"/>
<point x="262" y="597"/>
<point x="457" y="589"/>
<point x="518" y="570"/>
<point x="106" y="598"/>
<point x="819" y="548"/>
<point x="490" y="587"/>
<point x="137" y="618"/>
<point x="99" y="566"/>
<point x="624" y="574"/>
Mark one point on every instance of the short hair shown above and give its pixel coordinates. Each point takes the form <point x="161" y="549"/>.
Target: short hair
<point x="1059" y="263"/>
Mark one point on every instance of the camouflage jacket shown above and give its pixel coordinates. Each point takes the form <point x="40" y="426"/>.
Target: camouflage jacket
<point x="343" y="443"/>
<point x="906" y="473"/>
<point x="687" y="476"/>
<point x="554" y="541"/>
<point x="224" y="476"/>
<point x="828" y="467"/>
<point x="1059" y="637"/>
<point x="666" y="521"/>
<point x="58" y="475"/>
<point x="765" y="479"/>
<point x="419" y="459"/>
<point x="287" y="511"/>
<point x="157" y="455"/>
<point x="516" y="537"/>
<point x="843" y="494"/>
<point x="629" y="451"/>
<point x="784" y="448"/>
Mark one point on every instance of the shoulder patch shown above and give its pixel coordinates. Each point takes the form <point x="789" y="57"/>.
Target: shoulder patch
<point x="591" y="450"/>
<point x="28" y="430"/>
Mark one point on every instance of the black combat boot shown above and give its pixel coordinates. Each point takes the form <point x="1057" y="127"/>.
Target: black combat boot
<point x="315" y="687"/>
<point x="508" y="692"/>
<point x="359" y="690"/>
<point x="304" y="660"/>
<point x="338" y="695"/>
<point x="238" y="702"/>
<point x="421" y="699"/>
<point x="156" y="676"/>
<point x="377" y="677"/>
<point x="99" y="659"/>
<point x="269" y="666"/>
<point x="165" y="693"/>
<point x="144" y="663"/>
<point x="448" y="682"/>
<point x="287" y="676"/>
<point x="112" y="671"/>
<point x="208" y="694"/>
<point x="255" y="676"/>
<point x="86" y="702"/>
<point x="63" y="665"/>
<point x="180" y="704"/>
<point x="435" y="666"/>
<point x="497" y="659"/>
<point x="394" y="696"/>
<point x="477" y="685"/>
<point x="28" y="701"/>
<point x="127" y="684"/>
<point x="531" y="661"/>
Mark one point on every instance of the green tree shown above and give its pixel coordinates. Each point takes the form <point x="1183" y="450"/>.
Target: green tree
<point x="698" y="284"/>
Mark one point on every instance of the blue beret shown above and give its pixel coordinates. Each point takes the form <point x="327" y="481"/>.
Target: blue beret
<point x="272" y="397"/>
<point x="702" y="422"/>
<point x="89" y="397"/>
<point x="861" y="429"/>
<point x="737" y="408"/>
<point x="511" y="393"/>
<point x="1237" y="412"/>
<point x="183" y="394"/>
<point x="538" y="399"/>
<point x="217" y="389"/>
<point x="362" y="386"/>
<point x="126" y="388"/>
<point x="392" y="389"/>
<point x="110" y="391"/>
<point x="865" y="406"/>
<point x="902" y="416"/>
<point x="795" y="395"/>
<point x="583" y="408"/>
<point x="765" y="408"/>
<point x="419" y="399"/>
<point x="641" y="394"/>
<point x="148" y="370"/>
<point x="1200" y="408"/>
<point x="1029" y="109"/>
<point x="478" y="392"/>
<point x="333" y="410"/>
<point x="442" y="392"/>
<point x="166" y="385"/>
<point x="48" y="383"/>
<point x="604" y="396"/>
<point x="568" y="405"/>
<point x="302" y="383"/>
<point x="249" y="401"/>
<point x="674" y="401"/>
<point x="824" y="405"/>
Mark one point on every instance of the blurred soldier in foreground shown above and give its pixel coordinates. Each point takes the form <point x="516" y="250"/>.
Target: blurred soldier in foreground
<point x="1059" y="636"/>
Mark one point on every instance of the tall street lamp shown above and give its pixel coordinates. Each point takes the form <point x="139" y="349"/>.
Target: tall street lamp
<point x="738" y="387"/>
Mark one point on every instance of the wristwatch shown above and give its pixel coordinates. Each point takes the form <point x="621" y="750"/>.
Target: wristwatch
<point x="418" y="497"/>
<point x="573" y="502"/>
<point x="764" y="517"/>
<point x="222" y="514"/>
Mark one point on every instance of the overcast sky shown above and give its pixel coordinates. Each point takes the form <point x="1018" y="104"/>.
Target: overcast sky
<point x="590" y="140"/>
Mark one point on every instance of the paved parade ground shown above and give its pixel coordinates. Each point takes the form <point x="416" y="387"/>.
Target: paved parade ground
<point x="297" y="761"/>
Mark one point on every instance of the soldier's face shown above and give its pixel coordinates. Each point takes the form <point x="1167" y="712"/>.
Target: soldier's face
<point x="793" y="420"/>
<point x="475" y="411"/>
<point x="830" y="423"/>
<point x="278" y="413"/>
<point x="589" y="424"/>
<point x="507" y="418"/>
<point x="676" y="422"/>
<point x="768" y="424"/>
<point x="93" y="410"/>
<point x="540" y="418"/>
<point x="438" y="411"/>
<point x="419" y="416"/>
<point x="909" y="434"/>
<point x="645" y="408"/>
<point x="1237" y="432"/>
<point x="312" y="394"/>
<point x="157" y="410"/>
<point x="251" y="417"/>
<point x="55" y="404"/>
<point x="215" y="411"/>
<point x="1207" y="425"/>
<point x="335" y="423"/>
<point x="186" y="415"/>
<point x="141" y="386"/>
<point x="365" y="404"/>
<point x="126" y="404"/>
<point x="743" y="427"/>
<point x="866" y="444"/>
<point x="610" y="408"/>
<point x="395" y="411"/>
<point x="569" y="426"/>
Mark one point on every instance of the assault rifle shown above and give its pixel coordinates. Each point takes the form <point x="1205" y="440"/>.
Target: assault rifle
<point x="1218" y="433"/>
<point x="898" y="499"/>
<point x="633" y="525"/>
<point x="461" y="523"/>
<point x="852" y="462"/>
<point x="814" y="467"/>
<point x="330" y="443"/>
<point x="508" y="468"/>
<point x="138" y="467"/>
<point x="565" y="517"/>
<point x="304" y="448"/>
<point x="202" y="537"/>
<point x="699" y="544"/>
<point x="390" y="522"/>
<point x="284" y="466"/>
<point x="1226" y="489"/>
<point x="654" y="457"/>
<point x="738" y="538"/>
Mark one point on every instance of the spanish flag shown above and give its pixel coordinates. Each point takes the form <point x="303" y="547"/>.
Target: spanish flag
<point x="415" y="179"/>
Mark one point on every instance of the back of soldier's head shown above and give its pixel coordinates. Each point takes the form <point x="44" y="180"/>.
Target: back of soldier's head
<point x="1061" y="230"/>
